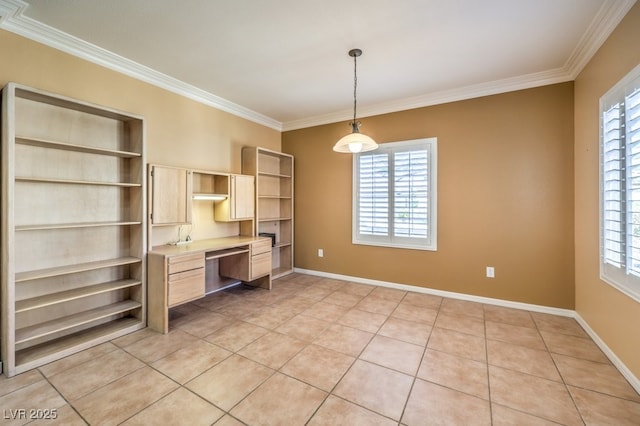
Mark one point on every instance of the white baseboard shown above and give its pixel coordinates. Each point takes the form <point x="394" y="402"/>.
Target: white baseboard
<point x="633" y="380"/>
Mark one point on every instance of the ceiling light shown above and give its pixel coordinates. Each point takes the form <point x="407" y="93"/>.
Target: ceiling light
<point x="355" y="141"/>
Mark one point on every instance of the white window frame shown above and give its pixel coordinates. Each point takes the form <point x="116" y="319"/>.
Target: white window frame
<point x="619" y="274"/>
<point x="428" y="243"/>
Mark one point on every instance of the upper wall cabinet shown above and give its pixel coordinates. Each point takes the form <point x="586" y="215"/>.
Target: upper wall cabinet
<point x="239" y="205"/>
<point x="73" y="226"/>
<point x="169" y="194"/>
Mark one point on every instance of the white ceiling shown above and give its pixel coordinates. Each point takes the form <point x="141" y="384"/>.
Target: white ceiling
<point x="284" y="63"/>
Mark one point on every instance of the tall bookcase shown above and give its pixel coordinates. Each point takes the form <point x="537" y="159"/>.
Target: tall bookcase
<point x="73" y="226"/>
<point x="274" y="202"/>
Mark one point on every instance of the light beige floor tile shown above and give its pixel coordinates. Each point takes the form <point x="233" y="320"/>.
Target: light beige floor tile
<point x="443" y="406"/>
<point x="533" y="395"/>
<point x="217" y="300"/>
<point x="558" y="324"/>
<point x="123" y="398"/>
<point x="188" y="362"/>
<point x="510" y="316"/>
<point x="129" y="339"/>
<point x="273" y="349"/>
<point x="346" y="340"/>
<point x="203" y="323"/>
<point x="461" y="323"/>
<point x="228" y="420"/>
<point x="303" y="327"/>
<point x="505" y="416"/>
<point x="523" y="336"/>
<point x="316" y="293"/>
<point x="296" y="303"/>
<point x="523" y="359"/>
<point x="336" y="411"/>
<point x="603" y="378"/>
<point x="17" y="406"/>
<point x="409" y="312"/>
<point x="158" y="346"/>
<point x="457" y="373"/>
<point x="326" y="311"/>
<point x="394" y="354"/>
<point x="81" y="357"/>
<point x="318" y="366"/>
<point x="240" y="309"/>
<point x="330" y="283"/>
<point x="342" y="298"/>
<point x="180" y="407"/>
<point x="423" y="300"/>
<point x="362" y="320"/>
<point x="577" y="347"/>
<point x="357" y="289"/>
<point x="62" y="416"/>
<point x="600" y="409"/>
<point x="408" y="331"/>
<point x="376" y="388"/>
<point x="462" y="307"/>
<point x="459" y="344"/>
<point x="84" y="378"/>
<point x="391" y="294"/>
<point x="230" y="381"/>
<point x="8" y="385"/>
<point x="236" y="336"/>
<point x="280" y="400"/>
<point x="377" y="305"/>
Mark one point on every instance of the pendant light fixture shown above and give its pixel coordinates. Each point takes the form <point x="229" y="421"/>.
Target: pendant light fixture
<point x="355" y="141"/>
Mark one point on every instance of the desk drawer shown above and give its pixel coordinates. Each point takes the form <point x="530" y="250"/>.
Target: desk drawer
<point x="260" y="246"/>
<point x="260" y="265"/>
<point x="185" y="262"/>
<point x="185" y="286"/>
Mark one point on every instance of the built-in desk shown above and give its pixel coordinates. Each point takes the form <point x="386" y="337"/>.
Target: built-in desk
<point x="178" y="274"/>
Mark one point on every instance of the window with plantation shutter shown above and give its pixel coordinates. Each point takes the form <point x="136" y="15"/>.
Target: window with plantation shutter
<point x="620" y="185"/>
<point x="394" y="197"/>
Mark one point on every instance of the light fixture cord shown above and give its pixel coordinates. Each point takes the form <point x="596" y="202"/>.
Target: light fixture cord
<point x="355" y="86"/>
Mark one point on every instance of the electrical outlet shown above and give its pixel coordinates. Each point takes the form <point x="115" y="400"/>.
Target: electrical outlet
<point x="491" y="272"/>
<point x="320" y="252"/>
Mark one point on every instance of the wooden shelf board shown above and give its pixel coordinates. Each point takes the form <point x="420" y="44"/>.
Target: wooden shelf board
<point x="68" y="295"/>
<point x="276" y="175"/>
<point x="76" y="182"/>
<point x="35" y="356"/>
<point x="43" y="143"/>
<point x="277" y="197"/>
<point x="26" y="334"/>
<point x="272" y="219"/>
<point x="282" y="244"/>
<point x="279" y="272"/>
<point x="70" y="269"/>
<point x="73" y="225"/>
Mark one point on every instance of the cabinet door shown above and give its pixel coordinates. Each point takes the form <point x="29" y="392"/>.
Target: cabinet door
<point x="169" y="194"/>
<point x="242" y="197"/>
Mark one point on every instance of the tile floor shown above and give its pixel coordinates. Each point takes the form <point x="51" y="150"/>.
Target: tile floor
<point x="319" y="351"/>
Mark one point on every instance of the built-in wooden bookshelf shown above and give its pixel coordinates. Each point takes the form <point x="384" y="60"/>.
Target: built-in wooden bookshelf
<point x="73" y="226"/>
<point x="274" y="202"/>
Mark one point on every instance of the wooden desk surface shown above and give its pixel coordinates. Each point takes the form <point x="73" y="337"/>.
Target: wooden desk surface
<point x="205" y="245"/>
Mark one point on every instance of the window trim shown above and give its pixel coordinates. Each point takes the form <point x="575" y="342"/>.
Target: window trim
<point x="616" y="277"/>
<point x="430" y="244"/>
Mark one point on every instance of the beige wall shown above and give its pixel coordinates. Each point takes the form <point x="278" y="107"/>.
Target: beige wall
<point x="505" y="198"/>
<point x="179" y="131"/>
<point x="611" y="314"/>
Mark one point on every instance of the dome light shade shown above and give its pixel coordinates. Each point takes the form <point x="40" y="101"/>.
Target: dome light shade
<point x="355" y="141"/>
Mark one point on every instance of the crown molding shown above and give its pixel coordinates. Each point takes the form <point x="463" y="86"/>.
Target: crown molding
<point x="12" y="19"/>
